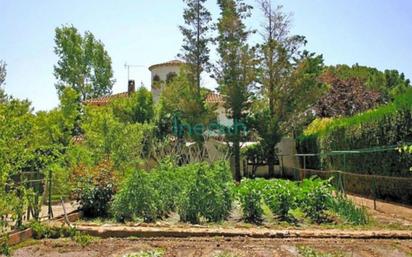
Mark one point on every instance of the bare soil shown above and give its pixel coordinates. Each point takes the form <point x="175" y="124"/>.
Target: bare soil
<point x="214" y="247"/>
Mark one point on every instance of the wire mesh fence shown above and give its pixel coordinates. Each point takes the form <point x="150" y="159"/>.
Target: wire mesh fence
<point x="391" y="180"/>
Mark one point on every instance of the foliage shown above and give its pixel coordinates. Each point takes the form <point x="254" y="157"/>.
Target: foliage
<point x="209" y="195"/>
<point x="281" y="197"/>
<point x="389" y="83"/>
<point x="137" y="197"/>
<point x="387" y="125"/>
<point x="346" y="98"/>
<point x="151" y="253"/>
<point x="183" y="111"/>
<point x="235" y="71"/>
<point x="195" y="50"/>
<point x="41" y="231"/>
<point x="82" y="239"/>
<point x="254" y="154"/>
<point x="249" y="193"/>
<point x="349" y="211"/>
<point x="195" y="191"/>
<point x="83" y="64"/>
<point x="137" y="108"/>
<point x="107" y="137"/>
<point x="4" y="245"/>
<point x="94" y="189"/>
<point x="306" y="251"/>
<point x="3" y="73"/>
<point x="314" y="198"/>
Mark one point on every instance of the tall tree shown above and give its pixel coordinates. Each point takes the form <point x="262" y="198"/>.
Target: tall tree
<point x="83" y="63"/>
<point x="235" y="70"/>
<point x="188" y="113"/>
<point x="3" y="73"/>
<point x="195" y="50"/>
<point x="346" y="97"/>
<point x="279" y="54"/>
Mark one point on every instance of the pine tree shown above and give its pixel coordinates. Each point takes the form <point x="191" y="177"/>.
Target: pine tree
<point x="280" y="77"/>
<point x="195" y="50"/>
<point x="3" y="73"/>
<point x="235" y="71"/>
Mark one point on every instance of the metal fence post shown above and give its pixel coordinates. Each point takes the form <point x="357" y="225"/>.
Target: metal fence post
<point x="50" y="210"/>
<point x="374" y="193"/>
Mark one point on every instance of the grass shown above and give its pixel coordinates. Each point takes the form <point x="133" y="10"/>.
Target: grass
<point x="225" y="254"/>
<point x="350" y="212"/>
<point x="307" y="251"/>
<point x="82" y="239"/>
<point x="149" y="253"/>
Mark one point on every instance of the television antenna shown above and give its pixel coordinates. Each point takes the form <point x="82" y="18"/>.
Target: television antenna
<point x="128" y="66"/>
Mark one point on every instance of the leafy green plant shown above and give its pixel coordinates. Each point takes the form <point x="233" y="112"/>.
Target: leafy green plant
<point x="94" y="190"/>
<point x="41" y="231"/>
<point x="314" y="198"/>
<point x="82" y="239"/>
<point x="307" y="251"/>
<point x="280" y="197"/>
<point x="250" y="195"/>
<point x="4" y="245"/>
<point x="137" y="198"/>
<point x="209" y="196"/>
<point x="387" y="125"/>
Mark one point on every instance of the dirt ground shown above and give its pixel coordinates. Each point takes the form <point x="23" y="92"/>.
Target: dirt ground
<point x="221" y="247"/>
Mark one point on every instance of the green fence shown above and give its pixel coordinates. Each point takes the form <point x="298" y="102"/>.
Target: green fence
<point x="353" y="178"/>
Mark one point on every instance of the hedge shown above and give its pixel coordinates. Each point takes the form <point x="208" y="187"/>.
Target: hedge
<point x="388" y="125"/>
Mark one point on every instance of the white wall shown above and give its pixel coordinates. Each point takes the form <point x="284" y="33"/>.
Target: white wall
<point x="162" y="72"/>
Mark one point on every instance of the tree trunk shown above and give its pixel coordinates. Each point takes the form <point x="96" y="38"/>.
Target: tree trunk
<point x="236" y="153"/>
<point x="271" y="162"/>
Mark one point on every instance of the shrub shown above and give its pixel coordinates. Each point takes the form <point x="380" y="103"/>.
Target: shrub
<point x="280" y="197"/>
<point x="314" y="198"/>
<point x="94" y="190"/>
<point x="384" y="126"/>
<point x="41" y="231"/>
<point x="170" y="181"/>
<point x="209" y="195"/>
<point x="138" y="197"/>
<point x="249" y="193"/>
<point x="387" y="125"/>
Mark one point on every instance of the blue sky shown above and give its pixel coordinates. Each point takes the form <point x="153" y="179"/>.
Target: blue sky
<point x="369" y="32"/>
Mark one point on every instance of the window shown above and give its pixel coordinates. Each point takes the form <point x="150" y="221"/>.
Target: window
<point x="170" y="76"/>
<point x="156" y="78"/>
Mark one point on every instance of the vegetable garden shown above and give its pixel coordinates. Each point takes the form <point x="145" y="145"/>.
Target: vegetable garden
<point x="202" y="193"/>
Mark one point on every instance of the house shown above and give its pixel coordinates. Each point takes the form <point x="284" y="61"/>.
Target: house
<point x="164" y="72"/>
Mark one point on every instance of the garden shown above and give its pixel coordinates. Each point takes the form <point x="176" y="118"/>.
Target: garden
<point x="164" y="172"/>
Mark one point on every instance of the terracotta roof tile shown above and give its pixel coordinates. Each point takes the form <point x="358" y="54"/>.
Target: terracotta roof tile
<point x="213" y="97"/>
<point x="104" y="100"/>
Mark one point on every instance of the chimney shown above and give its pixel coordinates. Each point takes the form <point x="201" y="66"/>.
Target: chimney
<point x="131" y="88"/>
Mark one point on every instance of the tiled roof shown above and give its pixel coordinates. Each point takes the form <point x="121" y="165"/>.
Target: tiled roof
<point x="212" y="97"/>
<point x="172" y="62"/>
<point x="104" y="100"/>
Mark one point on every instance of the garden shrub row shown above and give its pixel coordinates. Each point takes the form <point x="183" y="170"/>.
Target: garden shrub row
<point x="196" y="191"/>
<point x="388" y="125"/>
<point x="293" y="202"/>
<point x="203" y="192"/>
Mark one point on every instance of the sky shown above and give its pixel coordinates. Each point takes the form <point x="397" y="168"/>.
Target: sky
<point x="375" y="33"/>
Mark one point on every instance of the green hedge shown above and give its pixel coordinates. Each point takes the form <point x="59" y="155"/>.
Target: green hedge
<point x="387" y="125"/>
